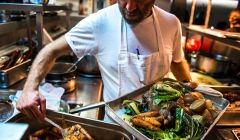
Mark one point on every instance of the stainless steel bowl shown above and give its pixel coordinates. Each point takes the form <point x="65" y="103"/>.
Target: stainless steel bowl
<point x="59" y="76"/>
<point x="217" y="65"/>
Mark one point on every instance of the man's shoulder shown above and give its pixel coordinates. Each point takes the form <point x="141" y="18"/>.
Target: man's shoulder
<point x="164" y="15"/>
<point x="109" y="11"/>
<point x="103" y="16"/>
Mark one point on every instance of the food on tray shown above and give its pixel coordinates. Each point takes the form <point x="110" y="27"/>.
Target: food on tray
<point x="169" y="111"/>
<point x="75" y="132"/>
<point x="50" y="133"/>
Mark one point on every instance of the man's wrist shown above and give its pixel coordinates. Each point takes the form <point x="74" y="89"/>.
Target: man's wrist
<point x="186" y="80"/>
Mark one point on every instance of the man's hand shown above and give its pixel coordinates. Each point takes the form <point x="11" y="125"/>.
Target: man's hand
<point x="192" y="84"/>
<point x="33" y="104"/>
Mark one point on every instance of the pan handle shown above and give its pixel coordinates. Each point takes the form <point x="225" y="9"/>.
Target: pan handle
<point x="87" y="107"/>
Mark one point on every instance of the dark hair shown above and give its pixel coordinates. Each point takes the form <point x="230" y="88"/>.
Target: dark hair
<point x="235" y="10"/>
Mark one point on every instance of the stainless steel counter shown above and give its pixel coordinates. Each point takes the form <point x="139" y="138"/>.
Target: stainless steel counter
<point x="7" y="129"/>
<point x="89" y="90"/>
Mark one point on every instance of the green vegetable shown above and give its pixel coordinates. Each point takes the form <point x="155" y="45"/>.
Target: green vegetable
<point x="191" y="128"/>
<point x="163" y="93"/>
<point x="127" y="118"/>
<point x="163" y="87"/>
<point x="175" y="85"/>
<point x="132" y="107"/>
<point x="161" y="135"/>
<point x="179" y="119"/>
<point x="199" y="119"/>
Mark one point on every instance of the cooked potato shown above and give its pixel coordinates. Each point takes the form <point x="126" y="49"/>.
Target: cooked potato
<point x="198" y="94"/>
<point x="207" y="116"/>
<point x="189" y="98"/>
<point x="209" y="104"/>
<point x="198" y="106"/>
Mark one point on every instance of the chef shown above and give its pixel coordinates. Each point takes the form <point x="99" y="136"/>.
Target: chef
<point x="133" y="41"/>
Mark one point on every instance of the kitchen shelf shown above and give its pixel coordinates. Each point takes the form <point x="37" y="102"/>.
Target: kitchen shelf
<point x="31" y="7"/>
<point x="39" y="9"/>
<point x="17" y="25"/>
<point x="215" y="35"/>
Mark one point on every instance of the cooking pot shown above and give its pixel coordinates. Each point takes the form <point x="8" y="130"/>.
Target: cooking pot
<point x="88" y="66"/>
<point x="59" y="76"/>
<point x="216" y="65"/>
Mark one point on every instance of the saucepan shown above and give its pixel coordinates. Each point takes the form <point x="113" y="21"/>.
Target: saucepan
<point x="61" y="76"/>
<point x="216" y="65"/>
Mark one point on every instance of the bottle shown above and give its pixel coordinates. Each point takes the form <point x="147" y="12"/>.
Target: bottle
<point x="81" y="7"/>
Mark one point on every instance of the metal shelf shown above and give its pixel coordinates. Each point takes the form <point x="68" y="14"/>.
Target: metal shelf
<point x="39" y="9"/>
<point x="31" y="7"/>
<point x="213" y="35"/>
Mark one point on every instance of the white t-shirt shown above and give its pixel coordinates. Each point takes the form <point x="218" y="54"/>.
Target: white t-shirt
<point x="142" y="37"/>
<point x="100" y="35"/>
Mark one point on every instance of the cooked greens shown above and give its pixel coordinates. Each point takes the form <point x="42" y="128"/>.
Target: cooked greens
<point x="169" y="112"/>
<point x="163" y="93"/>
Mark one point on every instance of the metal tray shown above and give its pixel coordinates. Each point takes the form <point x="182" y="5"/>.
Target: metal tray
<point x="14" y="74"/>
<point x="115" y="110"/>
<point x="230" y="118"/>
<point x="97" y="129"/>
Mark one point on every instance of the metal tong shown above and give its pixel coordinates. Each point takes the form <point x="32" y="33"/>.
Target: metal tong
<point x="56" y="125"/>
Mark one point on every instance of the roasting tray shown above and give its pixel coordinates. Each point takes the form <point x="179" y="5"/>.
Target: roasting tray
<point x="115" y="110"/>
<point x="97" y="129"/>
<point x="14" y="74"/>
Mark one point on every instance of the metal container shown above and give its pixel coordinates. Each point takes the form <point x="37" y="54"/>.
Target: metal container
<point x="217" y="65"/>
<point x="97" y="129"/>
<point x="115" y="110"/>
<point x="4" y="62"/>
<point x="231" y="117"/>
<point x="59" y="76"/>
<point x="14" y="74"/>
<point x="6" y="110"/>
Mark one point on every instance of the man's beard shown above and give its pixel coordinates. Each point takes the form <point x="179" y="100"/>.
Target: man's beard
<point x="139" y="15"/>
